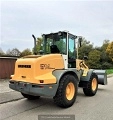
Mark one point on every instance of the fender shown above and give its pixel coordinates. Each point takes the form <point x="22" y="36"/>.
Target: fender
<point x="102" y="76"/>
<point x="59" y="73"/>
<point x="87" y="78"/>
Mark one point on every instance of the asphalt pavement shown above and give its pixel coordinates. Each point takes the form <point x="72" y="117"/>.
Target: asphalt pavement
<point x="9" y="95"/>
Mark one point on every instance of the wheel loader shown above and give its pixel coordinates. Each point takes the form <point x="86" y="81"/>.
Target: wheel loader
<point x="56" y="71"/>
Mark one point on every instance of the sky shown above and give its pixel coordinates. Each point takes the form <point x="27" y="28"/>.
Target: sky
<point x="19" y="19"/>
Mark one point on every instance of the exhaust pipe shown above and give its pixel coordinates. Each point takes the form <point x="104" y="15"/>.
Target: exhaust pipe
<point x="35" y="52"/>
<point x="102" y="76"/>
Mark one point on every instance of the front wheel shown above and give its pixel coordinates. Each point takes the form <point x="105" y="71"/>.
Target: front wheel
<point x="92" y="86"/>
<point x="30" y="97"/>
<point x="67" y="91"/>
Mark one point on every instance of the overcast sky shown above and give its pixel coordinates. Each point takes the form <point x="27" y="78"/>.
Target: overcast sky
<point x="22" y="18"/>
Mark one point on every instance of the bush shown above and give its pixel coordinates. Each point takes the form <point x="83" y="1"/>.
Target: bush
<point x="107" y="65"/>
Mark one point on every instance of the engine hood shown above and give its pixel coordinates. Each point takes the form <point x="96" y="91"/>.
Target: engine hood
<point x="38" y="67"/>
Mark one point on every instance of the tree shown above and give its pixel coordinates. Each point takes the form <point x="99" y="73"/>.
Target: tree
<point x="104" y="55"/>
<point x="26" y="52"/>
<point x="94" y="59"/>
<point x="85" y="49"/>
<point x="105" y="60"/>
<point x="109" y="50"/>
<point x="39" y="46"/>
<point x="13" y="52"/>
<point x="8" y="52"/>
<point x="105" y="45"/>
<point x="1" y="52"/>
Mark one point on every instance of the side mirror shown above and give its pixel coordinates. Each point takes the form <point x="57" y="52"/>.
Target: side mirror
<point x="85" y="57"/>
<point x="41" y="52"/>
<point x="80" y="41"/>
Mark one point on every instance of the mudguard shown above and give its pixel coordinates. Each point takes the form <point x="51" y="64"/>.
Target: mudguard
<point x="87" y="77"/>
<point x="59" y="73"/>
<point x="102" y="76"/>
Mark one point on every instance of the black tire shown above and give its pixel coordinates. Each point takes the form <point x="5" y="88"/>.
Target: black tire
<point x="62" y="98"/>
<point x="30" y="97"/>
<point x="91" y="90"/>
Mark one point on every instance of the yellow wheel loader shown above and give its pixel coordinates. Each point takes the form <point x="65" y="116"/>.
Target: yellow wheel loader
<point x="56" y="71"/>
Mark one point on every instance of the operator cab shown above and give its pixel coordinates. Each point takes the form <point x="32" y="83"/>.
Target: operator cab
<point x="61" y="43"/>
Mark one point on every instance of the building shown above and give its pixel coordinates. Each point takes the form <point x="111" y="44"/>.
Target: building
<point x="7" y="65"/>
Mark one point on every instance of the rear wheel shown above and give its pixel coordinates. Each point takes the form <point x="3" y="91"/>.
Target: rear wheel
<point x="92" y="86"/>
<point x="67" y="91"/>
<point x="30" y="97"/>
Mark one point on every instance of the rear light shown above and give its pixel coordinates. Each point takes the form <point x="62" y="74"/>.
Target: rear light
<point x="41" y="81"/>
<point x="11" y="76"/>
<point x="23" y="76"/>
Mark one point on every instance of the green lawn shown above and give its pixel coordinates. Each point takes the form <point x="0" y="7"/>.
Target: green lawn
<point x="109" y="71"/>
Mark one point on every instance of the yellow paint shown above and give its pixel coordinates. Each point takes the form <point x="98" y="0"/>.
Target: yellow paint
<point x="94" y="84"/>
<point x="70" y="91"/>
<point x="80" y="64"/>
<point x="85" y="72"/>
<point x="35" y="73"/>
<point x="48" y="78"/>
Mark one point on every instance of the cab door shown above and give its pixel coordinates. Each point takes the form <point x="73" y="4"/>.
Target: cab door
<point x="71" y="52"/>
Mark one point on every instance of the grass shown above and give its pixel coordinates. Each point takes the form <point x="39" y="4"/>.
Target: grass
<point x="109" y="71"/>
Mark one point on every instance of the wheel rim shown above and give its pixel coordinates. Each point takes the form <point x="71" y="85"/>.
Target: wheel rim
<point x="70" y="91"/>
<point x="94" y="84"/>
